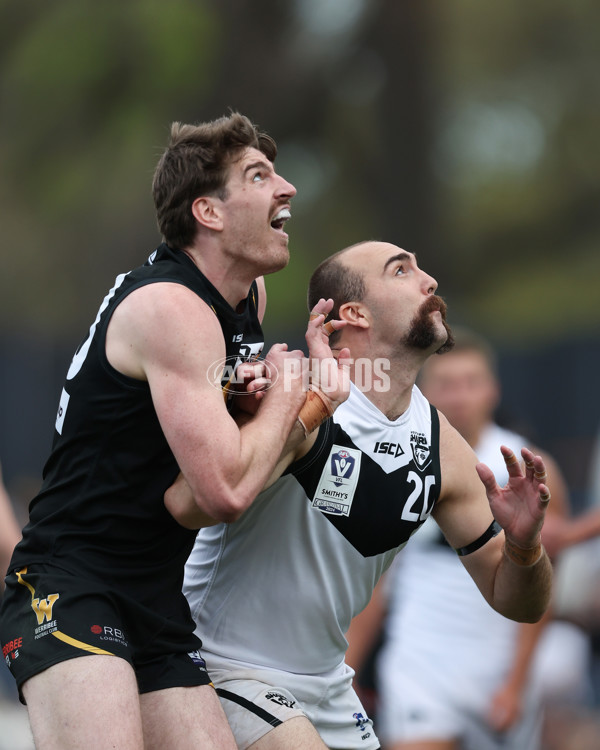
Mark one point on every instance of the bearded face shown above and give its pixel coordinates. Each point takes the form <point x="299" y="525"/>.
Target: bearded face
<point x="423" y="332"/>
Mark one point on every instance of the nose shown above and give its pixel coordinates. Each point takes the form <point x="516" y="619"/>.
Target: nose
<point x="430" y="284"/>
<point x="285" y="188"/>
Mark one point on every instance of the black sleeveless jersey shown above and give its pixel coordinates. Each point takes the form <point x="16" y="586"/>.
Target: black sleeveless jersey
<point x="100" y="511"/>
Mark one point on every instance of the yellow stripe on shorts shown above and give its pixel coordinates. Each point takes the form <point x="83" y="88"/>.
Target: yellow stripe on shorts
<point x="57" y="634"/>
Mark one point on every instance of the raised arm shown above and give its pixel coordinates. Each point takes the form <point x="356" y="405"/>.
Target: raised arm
<point x="165" y="334"/>
<point x="510" y="568"/>
<point x="179" y="498"/>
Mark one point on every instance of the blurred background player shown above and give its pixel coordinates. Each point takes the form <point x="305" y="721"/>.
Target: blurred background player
<point x="452" y="673"/>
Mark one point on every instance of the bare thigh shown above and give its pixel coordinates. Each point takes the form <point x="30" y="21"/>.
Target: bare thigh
<point x="186" y="718"/>
<point x="90" y="701"/>
<point x="295" y="734"/>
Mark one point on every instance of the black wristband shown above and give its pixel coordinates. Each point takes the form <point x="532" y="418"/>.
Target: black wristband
<point x="493" y="530"/>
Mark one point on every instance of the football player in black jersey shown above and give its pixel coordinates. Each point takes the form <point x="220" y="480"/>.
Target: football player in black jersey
<point x="98" y="573"/>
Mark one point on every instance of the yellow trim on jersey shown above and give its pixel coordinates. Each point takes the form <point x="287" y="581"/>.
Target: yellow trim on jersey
<point x="57" y="634"/>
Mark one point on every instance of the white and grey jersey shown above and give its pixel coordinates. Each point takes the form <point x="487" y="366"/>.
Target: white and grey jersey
<point x="279" y="587"/>
<point x="434" y="600"/>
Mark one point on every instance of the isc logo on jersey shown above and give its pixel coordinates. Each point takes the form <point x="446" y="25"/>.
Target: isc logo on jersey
<point x="337" y="485"/>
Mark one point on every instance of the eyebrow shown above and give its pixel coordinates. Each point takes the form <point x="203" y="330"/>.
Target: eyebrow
<point x="400" y="256"/>
<point x="261" y="163"/>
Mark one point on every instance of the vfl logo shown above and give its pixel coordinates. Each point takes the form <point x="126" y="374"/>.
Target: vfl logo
<point x="338" y="482"/>
<point x="280" y="699"/>
<point x="43" y="608"/>
<point x="342" y="466"/>
<point x="420" y="449"/>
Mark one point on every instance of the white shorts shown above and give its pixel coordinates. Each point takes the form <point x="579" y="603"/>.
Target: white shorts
<point x="257" y="700"/>
<point x="433" y="705"/>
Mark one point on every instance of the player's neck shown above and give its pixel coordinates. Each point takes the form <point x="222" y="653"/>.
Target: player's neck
<point x="231" y="280"/>
<point x="387" y="381"/>
<point x="389" y="388"/>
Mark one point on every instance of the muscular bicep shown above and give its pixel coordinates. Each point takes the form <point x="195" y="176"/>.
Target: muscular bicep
<point x="462" y="512"/>
<point x="164" y="333"/>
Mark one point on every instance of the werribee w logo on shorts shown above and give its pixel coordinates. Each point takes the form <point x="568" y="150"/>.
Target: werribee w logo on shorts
<point x="337" y="485"/>
<point x="43" y="607"/>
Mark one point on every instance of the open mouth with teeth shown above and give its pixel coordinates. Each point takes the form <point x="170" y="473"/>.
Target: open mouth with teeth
<point x="278" y="221"/>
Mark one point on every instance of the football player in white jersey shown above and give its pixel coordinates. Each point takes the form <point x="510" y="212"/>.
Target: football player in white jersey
<point x="274" y="592"/>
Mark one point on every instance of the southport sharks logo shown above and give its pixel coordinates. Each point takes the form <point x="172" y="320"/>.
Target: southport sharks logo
<point x="420" y="449"/>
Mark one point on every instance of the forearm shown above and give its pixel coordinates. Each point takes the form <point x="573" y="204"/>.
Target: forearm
<point x="522" y="592"/>
<point x="272" y="439"/>
<point x="226" y="476"/>
<point x="180" y="502"/>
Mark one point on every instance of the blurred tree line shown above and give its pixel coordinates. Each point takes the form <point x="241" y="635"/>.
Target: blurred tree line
<point x="461" y="130"/>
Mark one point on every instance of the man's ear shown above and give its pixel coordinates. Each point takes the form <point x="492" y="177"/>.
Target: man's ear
<point x="355" y="314"/>
<point x="207" y="211"/>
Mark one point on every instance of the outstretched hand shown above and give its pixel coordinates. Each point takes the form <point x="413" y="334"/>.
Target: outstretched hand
<point x="520" y="506"/>
<point x="330" y="374"/>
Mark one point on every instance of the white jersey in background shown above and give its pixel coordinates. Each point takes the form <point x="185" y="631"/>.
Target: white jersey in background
<point x="446" y="651"/>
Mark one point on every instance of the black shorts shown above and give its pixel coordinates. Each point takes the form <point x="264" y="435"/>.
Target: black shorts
<point x="49" y="616"/>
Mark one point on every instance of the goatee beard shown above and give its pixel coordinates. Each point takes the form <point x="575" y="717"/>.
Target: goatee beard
<point x="423" y="333"/>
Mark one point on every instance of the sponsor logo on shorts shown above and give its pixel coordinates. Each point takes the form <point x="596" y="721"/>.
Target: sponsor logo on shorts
<point x="108" y="633"/>
<point x="198" y="660"/>
<point x="280" y="699"/>
<point x="43" y="608"/>
<point x="10" y="650"/>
